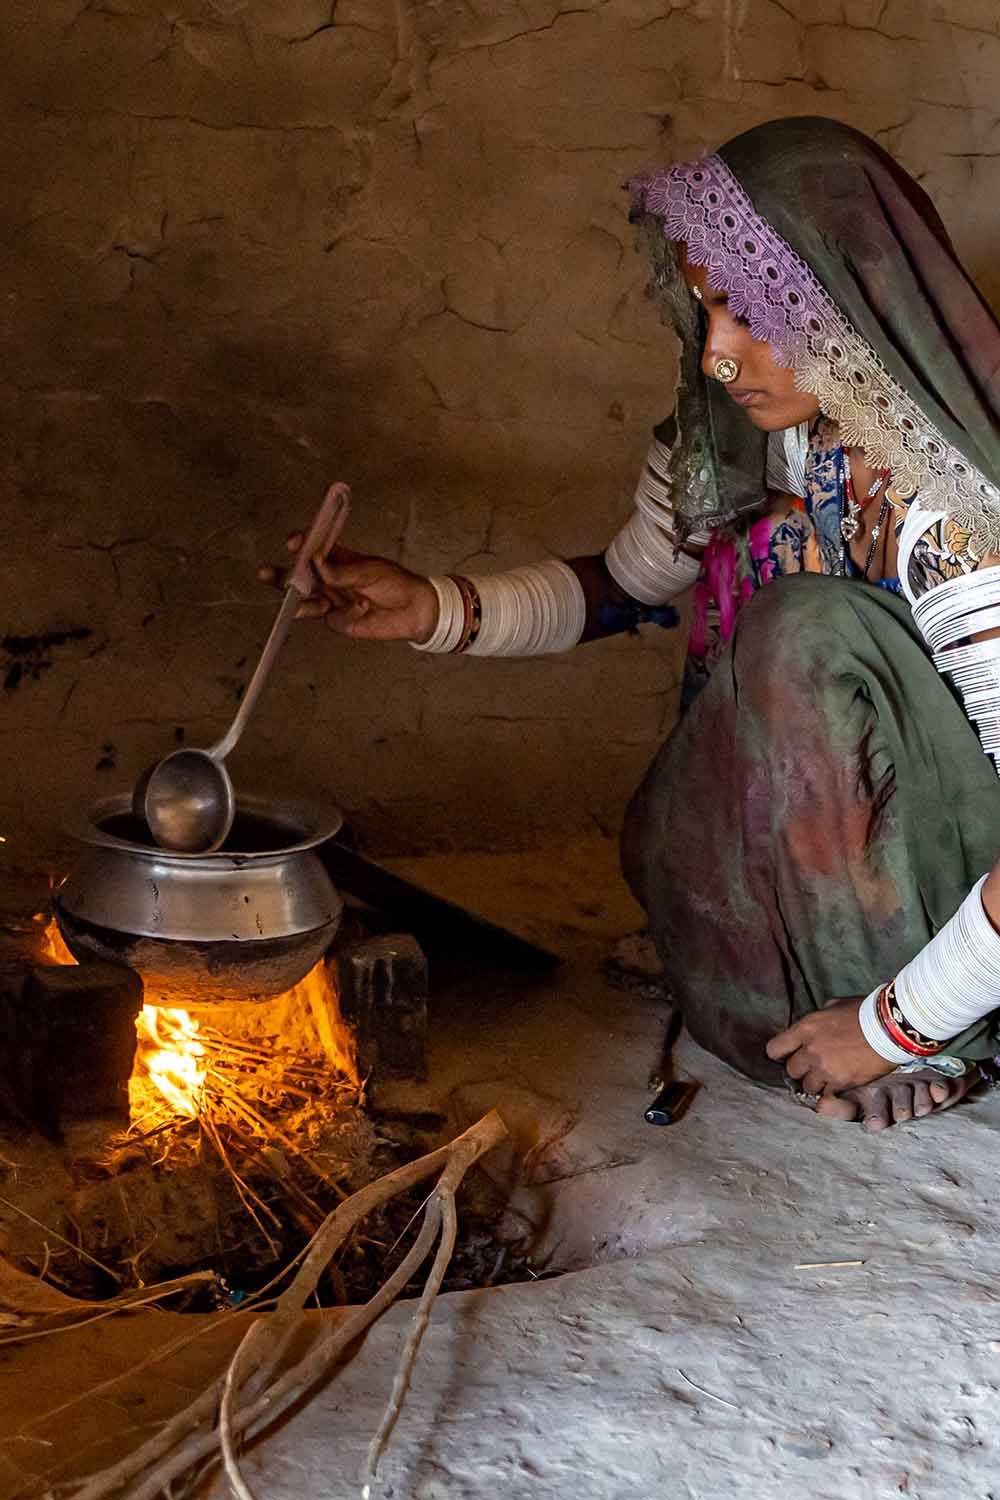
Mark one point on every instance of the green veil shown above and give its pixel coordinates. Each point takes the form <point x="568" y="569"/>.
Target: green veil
<point x="838" y="259"/>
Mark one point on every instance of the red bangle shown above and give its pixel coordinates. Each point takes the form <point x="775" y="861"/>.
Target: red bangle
<point x="473" y="609"/>
<point x="899" y="1030"/>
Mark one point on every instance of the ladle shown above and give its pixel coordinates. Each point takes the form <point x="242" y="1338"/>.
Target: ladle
<point x="187" y="798"/>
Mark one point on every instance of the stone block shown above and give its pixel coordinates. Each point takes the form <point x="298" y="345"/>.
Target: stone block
<point x="382" y="986"/>
<point x="69" y="1042"/>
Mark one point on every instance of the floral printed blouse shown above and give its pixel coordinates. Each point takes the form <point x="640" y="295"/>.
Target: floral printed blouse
<point x="804" y="538"/>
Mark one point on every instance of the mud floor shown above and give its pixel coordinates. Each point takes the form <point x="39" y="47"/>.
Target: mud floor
<point x="753" y="1301"/>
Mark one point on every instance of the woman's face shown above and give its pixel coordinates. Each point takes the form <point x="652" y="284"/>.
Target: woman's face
<point x="766" y="391"/>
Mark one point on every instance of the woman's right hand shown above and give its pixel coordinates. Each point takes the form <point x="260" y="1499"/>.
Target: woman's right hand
<point x="367" y="598"/>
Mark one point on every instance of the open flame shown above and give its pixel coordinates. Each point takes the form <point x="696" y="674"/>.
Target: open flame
<point x="172" y="1055"/>
<point x="170" y="1052"/>
<point x="52" y="946"/>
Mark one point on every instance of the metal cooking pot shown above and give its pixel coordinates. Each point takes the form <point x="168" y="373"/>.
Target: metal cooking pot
<point x="244" y="923"/>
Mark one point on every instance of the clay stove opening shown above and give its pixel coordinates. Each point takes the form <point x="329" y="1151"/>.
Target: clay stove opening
<point x="214" y="1145"/>
<point x="209" y="1063"/>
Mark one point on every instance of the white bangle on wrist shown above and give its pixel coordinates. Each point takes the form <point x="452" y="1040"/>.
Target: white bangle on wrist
<point x="536" y="610"/>
<point x="951" y="984"/>
<point x="447" y="632"/>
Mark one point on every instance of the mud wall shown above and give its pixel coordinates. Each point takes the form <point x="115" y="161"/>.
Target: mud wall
<point x="253" y="245"/>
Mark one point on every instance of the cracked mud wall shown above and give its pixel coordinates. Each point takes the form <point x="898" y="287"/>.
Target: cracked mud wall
<point x="250" y="246"/>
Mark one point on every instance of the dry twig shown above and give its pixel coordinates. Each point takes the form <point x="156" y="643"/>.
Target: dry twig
<point x="192" y="1436"/>
<point x="76" y="1249"/>
<point x="90" y="1312"/>
<point x="446" y="1211"/>
<point x="826" y="1265"/>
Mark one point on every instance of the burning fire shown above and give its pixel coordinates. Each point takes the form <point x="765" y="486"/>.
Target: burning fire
<point x="173" y="1056"/>
<point x="52" y="946"/>
<point x="171" y="1052"/>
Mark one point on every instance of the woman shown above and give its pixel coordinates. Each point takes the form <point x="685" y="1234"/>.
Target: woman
<point x="817" y="827"/>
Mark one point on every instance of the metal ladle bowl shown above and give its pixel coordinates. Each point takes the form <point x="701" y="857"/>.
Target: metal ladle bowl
<point x="187" y="799"/>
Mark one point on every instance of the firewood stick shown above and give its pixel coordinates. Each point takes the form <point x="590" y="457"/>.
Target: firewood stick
<point x="467" y="1148"/>
<point x="444" y="1196"/>
<point x="353" y="1325"/>
<point x="92" y="1312"/>
<point x="257" y="1301"/>
<point x="226" y="1441"/>
<point x="201" y="1444"/>
<point x="268" y="1129"/>
<point x="296" y="1382"/>
<point x="247" y="1196"/>
<point x="307" y="1214"/>
<point x="449" y="1223"/>
<point x="190" y="1436"/>
<point x="76" y="1249"/>
<point x="338" y="1283"/>
<point x="459" y="1156"/>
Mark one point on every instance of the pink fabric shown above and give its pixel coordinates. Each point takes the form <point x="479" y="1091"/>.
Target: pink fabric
<point x="718" y="586"/>
<point x="759" y="539"/>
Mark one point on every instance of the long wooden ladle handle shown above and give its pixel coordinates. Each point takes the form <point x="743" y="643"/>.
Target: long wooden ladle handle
<point x="327" y="526"/>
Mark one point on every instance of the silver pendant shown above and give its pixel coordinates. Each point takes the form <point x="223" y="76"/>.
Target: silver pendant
<point x="849" y="523"/>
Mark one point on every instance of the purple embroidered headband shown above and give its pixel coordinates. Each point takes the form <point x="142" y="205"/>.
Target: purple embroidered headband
<point x="703" y="205"/>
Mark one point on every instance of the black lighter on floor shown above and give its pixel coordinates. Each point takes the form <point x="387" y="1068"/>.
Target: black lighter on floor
<point x="670" y="1103"/>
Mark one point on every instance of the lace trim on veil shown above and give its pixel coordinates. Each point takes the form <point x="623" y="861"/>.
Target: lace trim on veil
<point x="704" y="205"/>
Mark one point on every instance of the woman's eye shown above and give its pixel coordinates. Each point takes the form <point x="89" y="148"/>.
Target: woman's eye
<point x="740" y="322"/>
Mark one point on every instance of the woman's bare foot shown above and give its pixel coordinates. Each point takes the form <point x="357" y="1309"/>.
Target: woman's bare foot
<point x="898" y="1097"/>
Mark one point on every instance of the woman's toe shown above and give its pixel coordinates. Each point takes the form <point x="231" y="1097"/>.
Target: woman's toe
<point x="923" y="1100"/>
<point x="901" y="1097"/>
<point x="876" y="1106"/>
<point x="896" y="1099"/>
<point x="838" y="1107"/>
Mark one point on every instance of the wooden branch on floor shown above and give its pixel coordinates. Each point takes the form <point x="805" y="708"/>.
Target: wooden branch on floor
<point x="249" y="1397"/>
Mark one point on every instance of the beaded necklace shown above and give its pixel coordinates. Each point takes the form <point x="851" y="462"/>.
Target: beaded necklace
<point x="850" y="522"/>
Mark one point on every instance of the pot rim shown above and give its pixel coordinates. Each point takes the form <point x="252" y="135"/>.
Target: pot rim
<point x="317" y="822"/>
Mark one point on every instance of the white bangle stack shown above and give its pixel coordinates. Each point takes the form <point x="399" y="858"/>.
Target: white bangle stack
<point x="950" y="985"/>
<point x="536" y="610"/>
<point x="644" y="559"/>
<point x="532" y="611"/>
<point x="647" y="563"/>
<point x="950" y="613"/>
<point x="955" y="980"/>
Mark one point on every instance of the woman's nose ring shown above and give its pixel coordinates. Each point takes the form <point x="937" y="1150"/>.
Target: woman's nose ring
<point x="726" y="370"/>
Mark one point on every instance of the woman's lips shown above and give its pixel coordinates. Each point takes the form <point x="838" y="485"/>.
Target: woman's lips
<point x="747" y="398"/>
